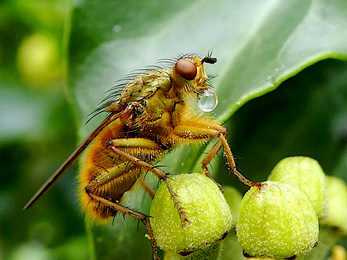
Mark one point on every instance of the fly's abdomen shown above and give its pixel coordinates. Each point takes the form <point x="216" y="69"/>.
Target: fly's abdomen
<point x="106" y="174"/>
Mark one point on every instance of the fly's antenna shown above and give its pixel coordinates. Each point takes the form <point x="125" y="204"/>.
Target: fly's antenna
<point x="209" y="60"/>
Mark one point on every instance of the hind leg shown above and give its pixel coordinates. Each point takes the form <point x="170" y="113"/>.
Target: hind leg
<point x="161" y="174"/>
<point x="138" y="215"/>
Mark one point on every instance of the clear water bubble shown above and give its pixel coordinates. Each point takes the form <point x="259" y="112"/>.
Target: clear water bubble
<point x="117" y="28"/>
<point x="208" y="101"/>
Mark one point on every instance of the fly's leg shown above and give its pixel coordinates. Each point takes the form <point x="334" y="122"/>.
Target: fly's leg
<point x="209" y="132"/>
<point x="142" y="143"/>
<point x="207" y="160"/>
<point x="140" y="216"/>
<point x="144" y="184"/>
<point x="230" y="157"/>
<point x="161" y="174"/>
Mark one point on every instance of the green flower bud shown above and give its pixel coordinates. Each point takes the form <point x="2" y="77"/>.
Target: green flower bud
<point x="205" y="207"/>
<point x="277" y="220"/>
<point x="233" y="197"/>
<point x="308" y="174"/>
<point x="337" y="215"/>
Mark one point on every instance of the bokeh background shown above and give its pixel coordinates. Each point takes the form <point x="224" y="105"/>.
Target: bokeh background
<point x="37" y="132"/>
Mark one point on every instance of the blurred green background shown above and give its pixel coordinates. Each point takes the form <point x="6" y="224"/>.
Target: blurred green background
<point x="36" y="134"/>
<point x="306" y="115"/>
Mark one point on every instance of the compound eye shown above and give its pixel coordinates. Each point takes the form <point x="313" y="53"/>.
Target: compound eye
<point x="186" y="69"/>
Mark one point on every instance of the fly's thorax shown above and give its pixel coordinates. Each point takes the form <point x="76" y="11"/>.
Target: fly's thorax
<point x="140" y="88"/>
<point x="144" y="84"/>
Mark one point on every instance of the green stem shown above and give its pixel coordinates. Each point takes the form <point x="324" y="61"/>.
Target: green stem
<point x="210" y="252"/>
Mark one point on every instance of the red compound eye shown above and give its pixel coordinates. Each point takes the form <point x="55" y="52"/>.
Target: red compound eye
<point x="186" y="69"/>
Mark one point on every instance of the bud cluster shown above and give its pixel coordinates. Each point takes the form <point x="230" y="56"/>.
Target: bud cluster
<point x="280" y="219"/>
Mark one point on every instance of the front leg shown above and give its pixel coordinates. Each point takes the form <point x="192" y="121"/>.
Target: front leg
<point x="212" y="130"/>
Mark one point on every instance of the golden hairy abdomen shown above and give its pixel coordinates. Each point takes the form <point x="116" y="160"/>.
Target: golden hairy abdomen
<point x="107" y="175"/>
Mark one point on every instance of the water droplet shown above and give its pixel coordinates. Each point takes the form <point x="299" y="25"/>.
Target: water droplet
<point x="208" y="101"/>
<point x="117" y="28"/>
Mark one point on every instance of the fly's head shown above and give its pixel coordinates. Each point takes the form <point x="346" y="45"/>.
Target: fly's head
<point x="189" y="77"/>
<point x="189" y="74"/>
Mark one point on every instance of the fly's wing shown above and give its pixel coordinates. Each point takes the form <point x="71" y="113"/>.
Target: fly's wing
<point x="71" y="159"/>
<point x="117" y="103"/>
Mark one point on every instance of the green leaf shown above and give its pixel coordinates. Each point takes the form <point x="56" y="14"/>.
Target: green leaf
<point x="259" y="44"/>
